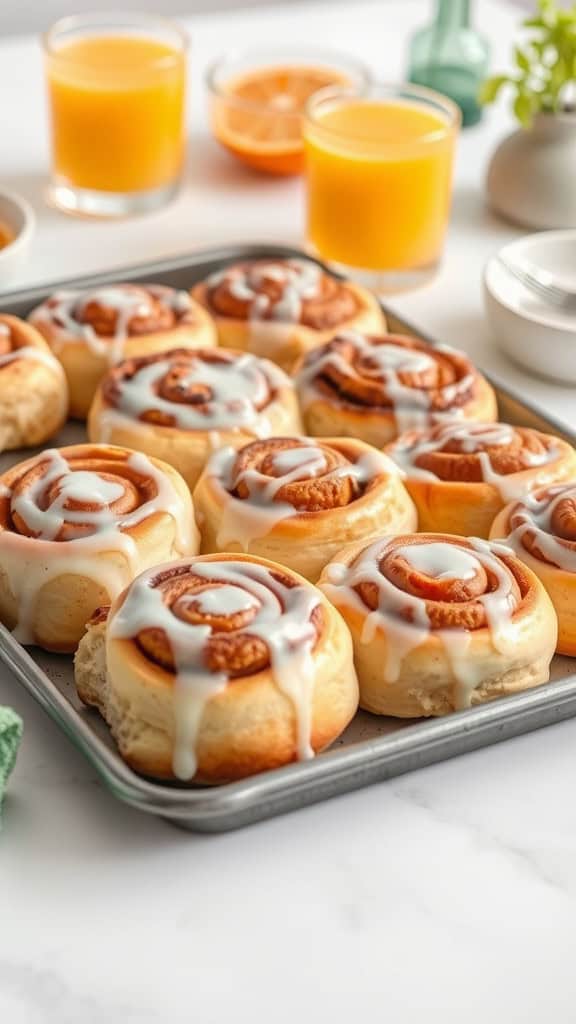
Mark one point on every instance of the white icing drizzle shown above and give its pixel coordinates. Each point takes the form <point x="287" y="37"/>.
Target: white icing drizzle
<point x="473" y="438"/>
<point x="403" y="616"/>
<point x="298" y="279"/>
<point x="431" y="560"/>
<point x="247" y="519"/>
<point x="66" y="308"/>
<point x="30" y="562"/>
<point x="279" y="615"/>
<point x="34" y="354"/>
<point x="534" y="516"/>
<point x="411" y="405"/>
<point x="237" y="389"/>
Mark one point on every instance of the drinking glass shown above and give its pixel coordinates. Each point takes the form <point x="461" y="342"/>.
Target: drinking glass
<point x="116" y="90"/>
<point x="379" y="173"/>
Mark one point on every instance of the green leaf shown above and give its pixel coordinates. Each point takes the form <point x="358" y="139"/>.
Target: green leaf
<point x="523" y="109"/>
<point x="545" y="62"/>
<point x="522" y="60"/>
<point x="490" y="89"/>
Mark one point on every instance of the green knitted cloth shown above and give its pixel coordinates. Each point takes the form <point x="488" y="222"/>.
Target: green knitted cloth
<point x="10" y="735"/>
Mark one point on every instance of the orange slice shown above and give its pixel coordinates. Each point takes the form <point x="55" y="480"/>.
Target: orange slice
<point x="258" y="116"/>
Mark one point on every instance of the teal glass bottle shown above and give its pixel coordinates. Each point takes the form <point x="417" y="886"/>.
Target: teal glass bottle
<point x="451" y="57"/>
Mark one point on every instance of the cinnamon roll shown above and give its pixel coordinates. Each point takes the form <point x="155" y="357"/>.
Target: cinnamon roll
<point x="375" y="387"/>
<point x="33" y="391"/>
<point x="182" y="404"/>
<point x="283" y="308"/>
<point x="218" y="667"/>
<point x="460" y="474"/>
<point x="541" y="530"/>
<point x="89" y="331"/>
<point x="299" y="500"/>
<point x="441" y="622"/>
<point x="76" y="525"/>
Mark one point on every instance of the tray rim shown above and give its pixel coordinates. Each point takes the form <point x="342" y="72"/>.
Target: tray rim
<point x="337" y="770"/>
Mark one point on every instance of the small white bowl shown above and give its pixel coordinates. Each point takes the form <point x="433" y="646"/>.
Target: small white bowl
<point x="17" y="214"/>
<point x="533" y="333"/>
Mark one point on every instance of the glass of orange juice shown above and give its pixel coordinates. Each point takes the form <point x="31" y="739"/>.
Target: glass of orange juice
<point x="116" y="89"/>
<point x="379" y="172"/>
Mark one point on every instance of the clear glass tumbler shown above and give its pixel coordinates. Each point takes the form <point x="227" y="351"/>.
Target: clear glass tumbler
<point x="116" y="90"/>
<point x="379" y="174"/>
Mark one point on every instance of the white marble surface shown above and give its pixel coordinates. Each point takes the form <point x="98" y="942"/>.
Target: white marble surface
<point x="447" y="895"/>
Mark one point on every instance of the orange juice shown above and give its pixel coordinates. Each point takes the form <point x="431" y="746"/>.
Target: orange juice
<point x="379" y="176"/>
<point x="117" y="112"/>
<point x="116" y="87"/>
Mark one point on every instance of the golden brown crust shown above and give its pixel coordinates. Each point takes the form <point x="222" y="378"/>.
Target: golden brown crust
<point x="33" y="390"/>
<point x="342" y="491"/>
<point x="461" y="474"/>
<point x="541" y="529"/>
<point x="90" y="331"/>
<point x="474" y="625"/>
<point x="268" y="318"/>
<point x="373" y="386"/>
<point x="182" y="414"/>
<point x="248" y="725"/>
<point x="76" y="525"/>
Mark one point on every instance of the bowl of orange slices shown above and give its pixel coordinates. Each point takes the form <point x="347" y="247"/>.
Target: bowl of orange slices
<point x="257" y="101"/>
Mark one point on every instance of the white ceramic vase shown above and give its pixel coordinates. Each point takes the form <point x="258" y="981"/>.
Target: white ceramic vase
<point x="532" y="175"/>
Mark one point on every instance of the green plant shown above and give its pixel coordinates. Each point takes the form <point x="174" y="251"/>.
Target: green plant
<point x="545" y="65"/>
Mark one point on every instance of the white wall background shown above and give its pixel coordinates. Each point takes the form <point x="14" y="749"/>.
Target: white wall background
<point x="36" y="15"/>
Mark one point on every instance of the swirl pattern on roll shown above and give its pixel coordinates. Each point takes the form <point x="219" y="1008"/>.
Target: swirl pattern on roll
<point x="200" y="389"/>
<point x="286" y="291"/>
<point x="416" y="585"/>
<point x="61" y="497"/>
<point x="283" y="477"/>
<point x="302" y="472"/>
<point x="474" y="453"/>
<point x="404" y="376"/>
<point x="544" y="524"/>
<point x="79" y="512"/>
<point x="18" y="341"/>
<point x="208" y="623"/>
<point x="105" y="317"/>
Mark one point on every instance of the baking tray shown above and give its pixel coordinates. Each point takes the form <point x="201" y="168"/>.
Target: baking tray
<point x="371" y="749"/>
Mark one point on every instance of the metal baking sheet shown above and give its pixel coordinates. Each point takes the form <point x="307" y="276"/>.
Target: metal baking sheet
<point x="371" y="749"/>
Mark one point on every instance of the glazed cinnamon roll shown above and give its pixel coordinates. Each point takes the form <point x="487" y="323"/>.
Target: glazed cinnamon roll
<point x="219" y="667"/>
<point x="76" y="525"/>
<point x="375" y="387"/>
<point x="441" y="622"/>
<point x="182" y="404"/>
<point x="299" y="500"/>
<point x="541" y="530"/>
<point x="89" y="331"/>
<point x="283" y="308"/>
<point x="461" y="474"/>
<point x="33" y="390"/>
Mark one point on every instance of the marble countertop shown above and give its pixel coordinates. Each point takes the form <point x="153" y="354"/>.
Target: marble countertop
<point x="447" y="895"/>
